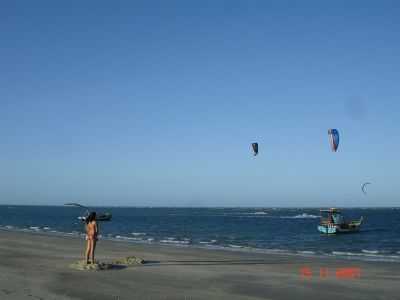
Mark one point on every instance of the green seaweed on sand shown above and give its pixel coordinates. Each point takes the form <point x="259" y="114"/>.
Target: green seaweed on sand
<point x="81" y="265"/>
<point x="129" y="261"/>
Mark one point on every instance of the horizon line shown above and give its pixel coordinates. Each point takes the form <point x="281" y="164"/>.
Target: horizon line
<point x="178" y="206"/>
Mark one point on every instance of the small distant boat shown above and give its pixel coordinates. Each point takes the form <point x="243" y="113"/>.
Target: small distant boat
<point x="99" y="217"/>
<point x="333" y="222"/>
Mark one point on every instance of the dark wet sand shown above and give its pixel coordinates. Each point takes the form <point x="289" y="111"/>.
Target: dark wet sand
<point x="34" y="266"/>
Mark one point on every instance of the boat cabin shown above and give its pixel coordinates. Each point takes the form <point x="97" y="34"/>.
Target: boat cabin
<point x="331" y="216"/>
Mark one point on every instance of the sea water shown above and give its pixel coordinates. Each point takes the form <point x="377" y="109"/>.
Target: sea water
<point x="270" y="230"/>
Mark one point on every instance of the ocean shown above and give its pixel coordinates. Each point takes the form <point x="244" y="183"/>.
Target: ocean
<point x="269" y="230"/>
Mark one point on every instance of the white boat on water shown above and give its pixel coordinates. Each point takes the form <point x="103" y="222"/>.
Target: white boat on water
<point x="333" y="222"/>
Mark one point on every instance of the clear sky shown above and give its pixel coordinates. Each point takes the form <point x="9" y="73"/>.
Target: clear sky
<point x="157" y="102"/>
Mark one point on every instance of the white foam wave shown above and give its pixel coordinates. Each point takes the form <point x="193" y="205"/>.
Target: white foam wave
<point x="208" y="242"/>
<point x="138" y="233"/>
<point x="301" y="216"/>
<point x="277" y="251"/>
<point x="370" y="251"/>
<point x="173" y="241"/>
<point x="128" y="238"/>
<point x="368" y="255"/>
<point x="306" y="252"/>
<point x="235" y="246"/>
<point x="344" y="253"/>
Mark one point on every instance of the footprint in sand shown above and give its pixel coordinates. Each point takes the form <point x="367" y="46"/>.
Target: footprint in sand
<point x="7" y="292"/>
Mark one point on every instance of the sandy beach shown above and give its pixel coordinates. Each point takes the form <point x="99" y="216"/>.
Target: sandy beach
<point x="34" y="266"/>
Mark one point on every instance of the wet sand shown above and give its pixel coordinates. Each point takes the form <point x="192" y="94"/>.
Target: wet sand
<point x="34" y="266"/>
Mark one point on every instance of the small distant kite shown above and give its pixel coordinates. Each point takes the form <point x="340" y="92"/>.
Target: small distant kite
<point x="364" y="186"/>
<point x="334" y="139"/>
<point x="255" y="148"/>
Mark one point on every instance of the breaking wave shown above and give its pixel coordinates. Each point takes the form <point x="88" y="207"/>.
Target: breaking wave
<point x="301" y="216"/>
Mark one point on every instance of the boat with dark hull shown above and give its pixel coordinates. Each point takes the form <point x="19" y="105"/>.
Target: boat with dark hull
<point x="99" y="216"/>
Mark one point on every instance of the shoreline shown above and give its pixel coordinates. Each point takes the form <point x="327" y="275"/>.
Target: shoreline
<point x="365" y="255"/>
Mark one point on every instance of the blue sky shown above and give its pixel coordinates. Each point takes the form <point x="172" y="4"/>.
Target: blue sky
<point x="157" y="102"/>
